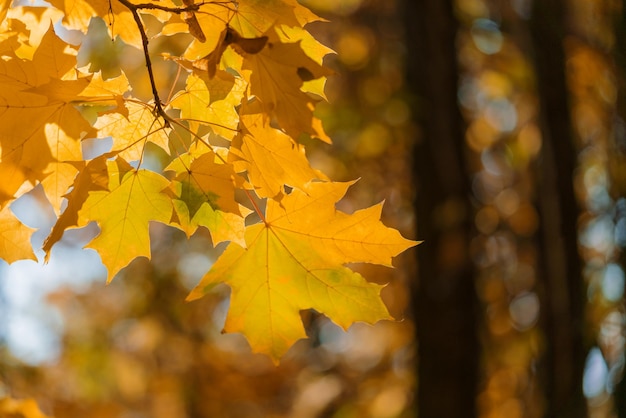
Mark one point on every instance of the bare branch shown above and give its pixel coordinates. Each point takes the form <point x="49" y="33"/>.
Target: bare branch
<point x="153" y="6"/>
<point x="144" y="38"/>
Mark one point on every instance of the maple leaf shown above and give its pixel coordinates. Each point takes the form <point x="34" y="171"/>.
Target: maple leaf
<point x="4" y="7"/>
<point x="35" y="91"/>
<point x="92" y="176"/>
<point x="206" y="197"/>
<point x="131" y="130"/>
<point x="250" y="19"/>
<point x="192" y="23"/>
<point x="119" y="19"/>
<point x="242" y="20"/>
<point x="211" y="26"/>
<point x="312" y="48"/>
<point x="294" y="261"/>
<point x="36" y="21"/>
<point x="254" y="77"/>
<point x="271" y="158"/>
<point x="14" y="238"/>
<point x="254" y="18"/>
<point x="228" y="37"/>
<point x="134" y="198"/>
<point x="302" y="14"/>
<point x="109" y="92"/>
<point x="211" y="102"/>
<point x="276" y="75"/>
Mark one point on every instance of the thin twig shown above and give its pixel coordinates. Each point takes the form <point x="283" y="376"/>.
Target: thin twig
<point x="178" y="10"/>
<point x="152" y="6"/>
<point x="206" y="122"/>
<point x="144" y="38"/>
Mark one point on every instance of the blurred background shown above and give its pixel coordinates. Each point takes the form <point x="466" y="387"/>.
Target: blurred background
<point x="493" y="129"/>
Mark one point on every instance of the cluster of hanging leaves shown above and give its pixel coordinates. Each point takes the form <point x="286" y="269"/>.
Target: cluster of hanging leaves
<point x="253" y="76"/>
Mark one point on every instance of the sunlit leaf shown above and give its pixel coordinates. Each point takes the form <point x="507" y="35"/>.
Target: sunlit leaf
<point x="211" y="103"/>
<point x="276" y="75"/>
<point x="131" y="132"/>
<point x="14" y="238"/>
<point x="78" y="14"/>
<point x="294" y="261"/>
<point x="134" y="199"/>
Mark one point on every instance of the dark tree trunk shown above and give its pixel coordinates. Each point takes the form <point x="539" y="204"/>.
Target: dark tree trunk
<point x="563" y="301"/>
<point x="618" y="155"/>
<point x="444" y="298"/>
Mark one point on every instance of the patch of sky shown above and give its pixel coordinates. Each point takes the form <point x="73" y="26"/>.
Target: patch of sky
<point x="31" y="327"/>
<point x="595" y="374"/>
<point x="613" y="283"/>
<point x="598" y="234"/>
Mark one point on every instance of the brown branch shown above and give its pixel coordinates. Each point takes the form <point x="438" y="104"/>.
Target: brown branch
<point x="152" y="6"/>
<point x="144" y="40"/>
<point x="178" y="10"/>
<point x="134" y="9"/>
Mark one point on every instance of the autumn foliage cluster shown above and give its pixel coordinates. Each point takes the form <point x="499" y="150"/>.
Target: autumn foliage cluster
<point x="250" y="76"/>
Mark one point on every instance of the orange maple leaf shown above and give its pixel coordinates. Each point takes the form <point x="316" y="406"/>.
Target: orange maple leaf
<point x="39" y="126"/>
<point x="78" y="14"/>
<point x="14" y="238"/>
<point x="276" y="76"/>
<point x="271" y="158"/>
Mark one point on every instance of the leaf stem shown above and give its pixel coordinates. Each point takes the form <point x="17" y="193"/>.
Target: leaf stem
<point x="205" y="122"/>
<point x="256" y="207"/>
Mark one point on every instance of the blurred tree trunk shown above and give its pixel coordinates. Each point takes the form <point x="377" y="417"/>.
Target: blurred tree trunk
<point x="563" y="299"/>
<point x="444" y="298"/>
<point x="617" y="160"/>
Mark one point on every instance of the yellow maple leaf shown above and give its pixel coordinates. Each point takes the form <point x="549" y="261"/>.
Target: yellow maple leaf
<point x="212" y="181"/>
<point x="211" y="102"/>
<point x="63" y="131"/>
<point x="134" y="198"/>
<point x="211" y="25"/>
<point x="294" y="261"/>
<point x="311" y="47"/>
<point x="250" y="19"/>
<point x="119" y="19"/>
<point x="206" y="197"/>
<point x="13" y="179"/>
<point x="91" y="176"/>
<point x="131" y="131"/>
<point x="105" y="92"/>
<point x="271" y="158"/>
<point x="14" y="238"/>
<point x="302" y="14"/>
<point x="4" y="7"/>
<point x="37" y="22"/>
<point x="224" y="226"/>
